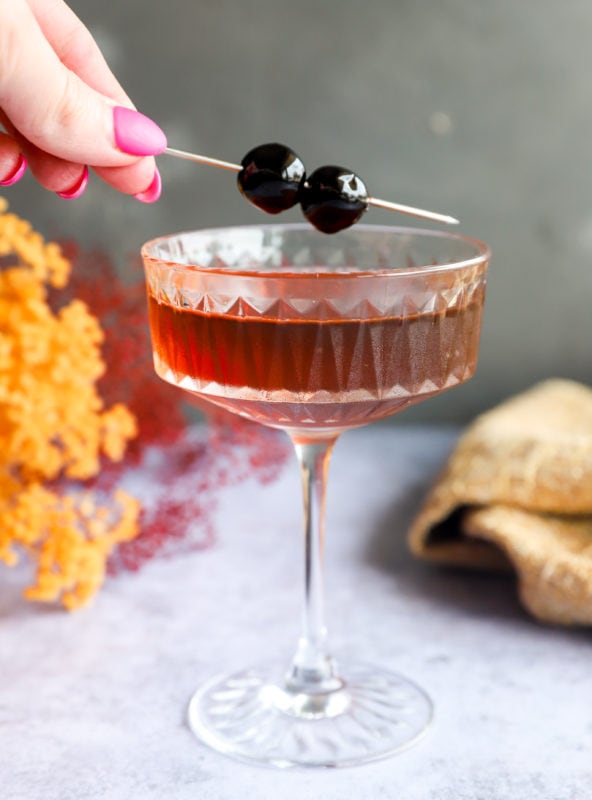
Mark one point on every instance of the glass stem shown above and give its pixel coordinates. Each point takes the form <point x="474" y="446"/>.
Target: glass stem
<point x="313" y="671"/>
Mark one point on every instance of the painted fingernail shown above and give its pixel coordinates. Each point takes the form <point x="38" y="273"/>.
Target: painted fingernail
<point x="137" y="134"/>
<point x="152" y="193"/>
<point x="17" y="172"/>
<point x="77" y="189"/>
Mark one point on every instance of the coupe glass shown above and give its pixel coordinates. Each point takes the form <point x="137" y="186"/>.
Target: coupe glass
<point x="313" y="334"/>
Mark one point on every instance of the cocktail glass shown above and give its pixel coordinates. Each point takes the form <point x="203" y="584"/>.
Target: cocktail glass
<point x="313" y="334"/>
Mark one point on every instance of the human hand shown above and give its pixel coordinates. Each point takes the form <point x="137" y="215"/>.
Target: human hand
<point x="63" y="110"/>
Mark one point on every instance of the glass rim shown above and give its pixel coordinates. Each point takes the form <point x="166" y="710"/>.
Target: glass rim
<point x="482" y="256"/>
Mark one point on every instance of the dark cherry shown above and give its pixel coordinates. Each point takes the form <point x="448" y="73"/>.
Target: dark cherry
<point x="270" y="177"/>
<point x="333" y="198"/>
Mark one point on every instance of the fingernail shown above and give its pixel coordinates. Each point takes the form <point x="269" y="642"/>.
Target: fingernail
<point x="17" y="173"/>
<point x="77" y="189"/>
<point x="137" y="134"/>
<point x="152" y="193"/>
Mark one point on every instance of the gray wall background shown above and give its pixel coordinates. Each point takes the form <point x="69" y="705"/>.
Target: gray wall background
<point x="478" y="109"/>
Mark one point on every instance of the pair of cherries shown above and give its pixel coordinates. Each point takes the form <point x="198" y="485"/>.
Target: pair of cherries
<point x="273" y="178"/>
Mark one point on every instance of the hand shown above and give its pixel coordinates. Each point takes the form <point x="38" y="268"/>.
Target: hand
<point x="62" y="108"/>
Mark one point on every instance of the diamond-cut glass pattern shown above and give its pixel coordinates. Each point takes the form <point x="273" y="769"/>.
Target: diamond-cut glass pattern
<point x="297" y="329"/>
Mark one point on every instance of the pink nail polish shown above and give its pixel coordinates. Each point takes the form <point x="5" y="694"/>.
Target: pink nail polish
<point x="17" y="173"/>
<point x="77" y="189"/>
<point x="137" y="134"/>
<point x="152" y="193"/>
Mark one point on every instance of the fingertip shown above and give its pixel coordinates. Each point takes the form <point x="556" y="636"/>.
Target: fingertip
<point x="16" y="173"/>
<point x="136" y="134"/>
<point x="78" y="189"/>
<point x="153" y="192"/>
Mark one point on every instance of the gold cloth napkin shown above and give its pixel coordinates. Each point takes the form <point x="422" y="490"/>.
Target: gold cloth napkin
<point x="517" y="493"/>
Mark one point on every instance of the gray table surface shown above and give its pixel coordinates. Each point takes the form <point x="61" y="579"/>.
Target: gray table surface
<point x="92" y="704"/>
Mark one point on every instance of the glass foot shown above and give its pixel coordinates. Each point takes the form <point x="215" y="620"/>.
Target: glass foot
<point x="250" y="716"/>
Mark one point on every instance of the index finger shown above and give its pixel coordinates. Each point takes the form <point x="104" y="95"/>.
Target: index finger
<point x="76" y="48"/>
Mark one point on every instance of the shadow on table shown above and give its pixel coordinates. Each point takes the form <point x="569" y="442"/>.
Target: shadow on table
<point x="13" y="605"/>
<point x="477" y="593"/>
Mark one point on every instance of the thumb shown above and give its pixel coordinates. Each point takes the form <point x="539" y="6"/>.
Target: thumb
<point x="53" y="108"/>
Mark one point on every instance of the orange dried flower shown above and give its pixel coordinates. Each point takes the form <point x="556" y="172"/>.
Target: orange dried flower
<point x="54" y="426"/>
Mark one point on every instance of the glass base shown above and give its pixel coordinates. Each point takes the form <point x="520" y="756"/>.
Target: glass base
<point x="253" y="717"/>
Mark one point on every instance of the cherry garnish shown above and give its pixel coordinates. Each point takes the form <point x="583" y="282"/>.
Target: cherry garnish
<point x="333" y="198"/>
<point x="270" y="177"/>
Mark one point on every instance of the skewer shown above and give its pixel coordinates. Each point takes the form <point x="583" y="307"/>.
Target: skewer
<point x="372" y="201"/>
<point x="211" y="162"/>
<point x="414" y="212"/>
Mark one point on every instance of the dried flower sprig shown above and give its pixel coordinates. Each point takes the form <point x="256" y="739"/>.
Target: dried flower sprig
<point x="54" y="427"/>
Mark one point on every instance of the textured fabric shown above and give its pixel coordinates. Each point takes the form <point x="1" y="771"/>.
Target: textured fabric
<point x="517" y="493"/>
